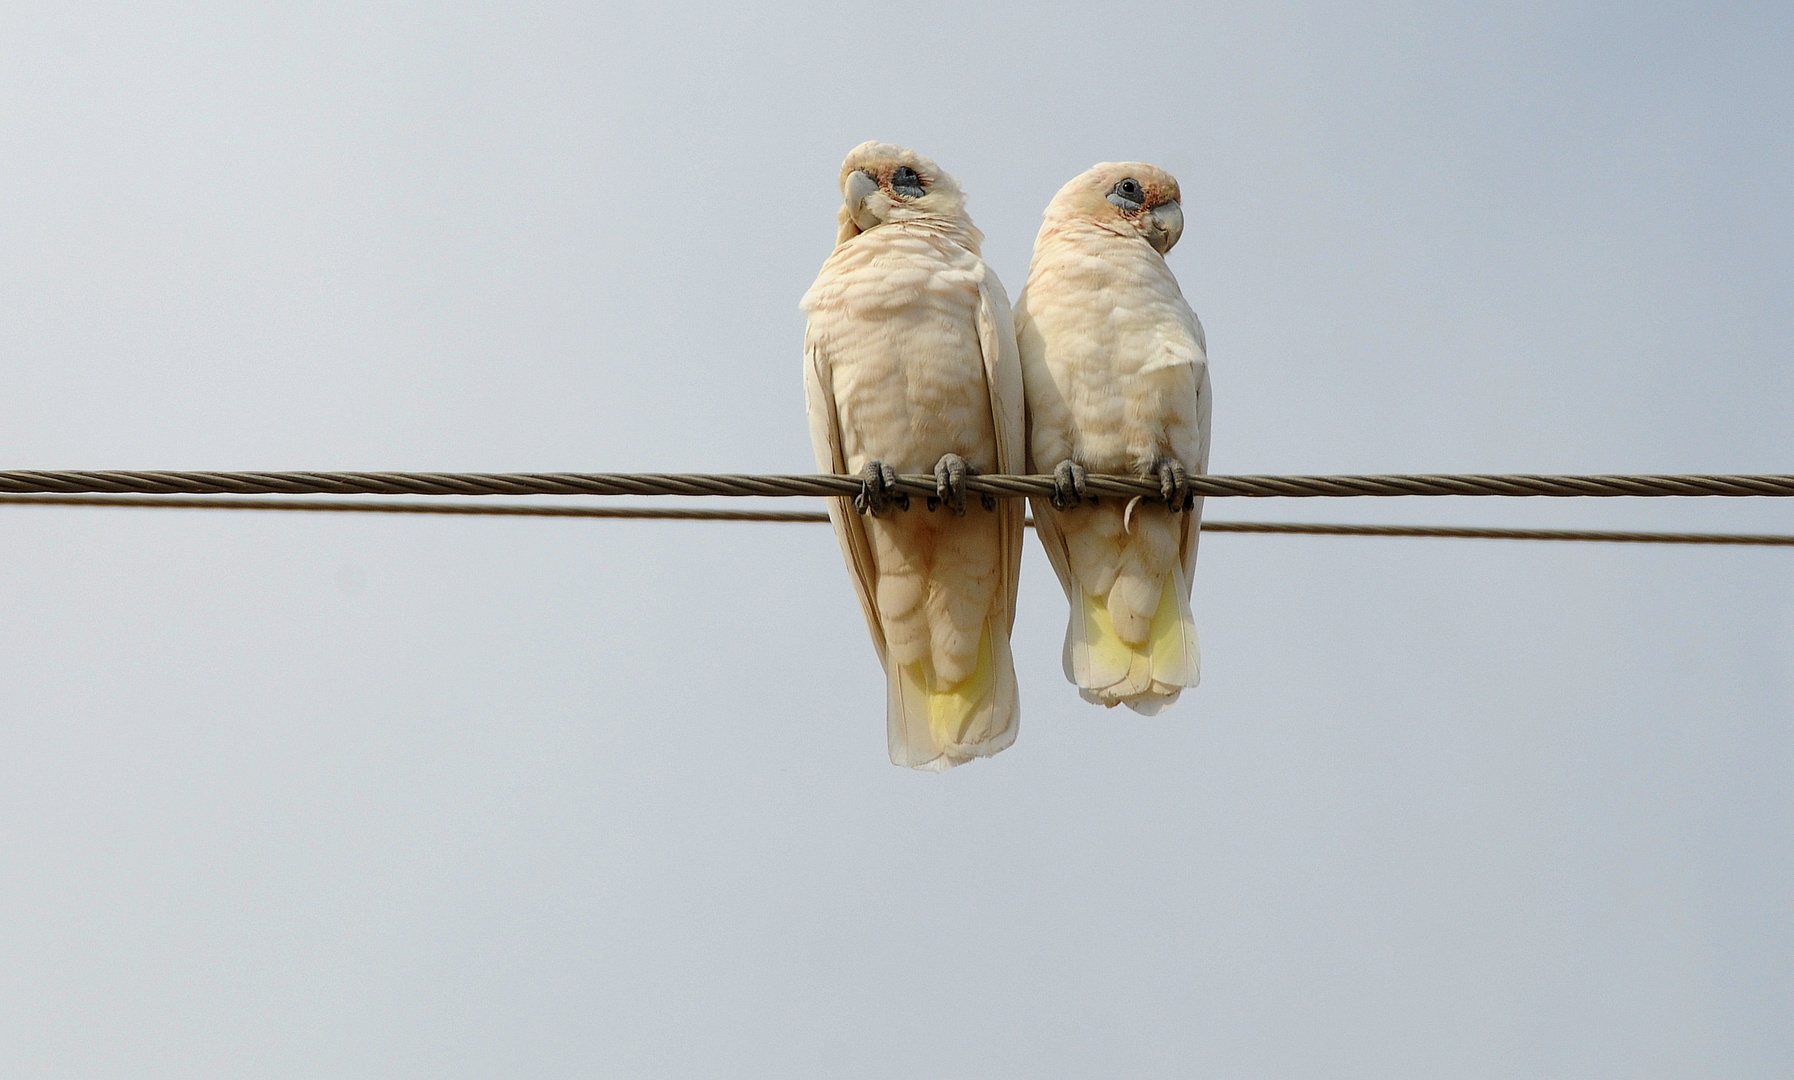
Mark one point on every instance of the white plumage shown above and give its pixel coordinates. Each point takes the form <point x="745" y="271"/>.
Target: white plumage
<point x="1116" y="371"/>
<point x="910" y="356"/>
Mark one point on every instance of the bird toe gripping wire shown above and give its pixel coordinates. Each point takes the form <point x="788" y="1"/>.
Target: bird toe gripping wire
<point x="950" y="484"/>
<point x="1174" y="485"/>
<point x="1068" y="485"/>
<point x="878" y="490"/>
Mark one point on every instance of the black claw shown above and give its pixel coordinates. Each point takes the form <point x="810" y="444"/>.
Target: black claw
<point x="877" y="494"/>
<point x="987" y="500"/>
<point x="1174" y="485"/>
<point x="950" y="482"/>
<point x="1068" y="485"/>
<point x="934" y="503"/>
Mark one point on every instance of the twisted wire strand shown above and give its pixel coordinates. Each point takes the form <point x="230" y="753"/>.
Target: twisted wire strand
<point x="1213" y="486"/>
<point x="1471" y="532"/>
<point x="816" y="517"/>
<point x="425" y="483"/>
<point x="353" y="506"/>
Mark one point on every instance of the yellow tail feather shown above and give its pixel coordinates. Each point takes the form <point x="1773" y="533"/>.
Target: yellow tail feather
<point x="951" y="708"/>
<point x="1110" y="658"/>
<point x="1162" y="665"/>
<point x="1166" y="638"/>
<point x="938" y="725"/>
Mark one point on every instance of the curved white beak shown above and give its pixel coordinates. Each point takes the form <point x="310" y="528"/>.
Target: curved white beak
<point x="1165" y="225"/>
<point x="859" y="187"/>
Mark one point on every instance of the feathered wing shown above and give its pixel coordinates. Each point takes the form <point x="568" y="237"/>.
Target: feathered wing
<point x="1051" y="532"/>
<point x="850" y="531"/>
<point x="1175" y="650"/>
<point x="1003" y="377"/>
<point x="1193" y="527"/>
<point x="1049" y="418"/>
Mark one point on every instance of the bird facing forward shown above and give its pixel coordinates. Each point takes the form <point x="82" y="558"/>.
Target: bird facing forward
<point x="910" y="366"/>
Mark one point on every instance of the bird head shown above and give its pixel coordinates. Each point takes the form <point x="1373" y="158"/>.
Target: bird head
<point x="883" y="182"/>
<point x="1126" y="197"/>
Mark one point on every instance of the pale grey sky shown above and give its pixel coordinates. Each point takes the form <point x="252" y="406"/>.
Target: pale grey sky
<point x="291" y="797"/>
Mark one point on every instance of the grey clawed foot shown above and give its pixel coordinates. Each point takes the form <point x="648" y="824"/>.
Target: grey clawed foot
<point x="878" y="490"/>
<point x="1068" y="485"/>
<point x="1174" y="485"/>
<point x="950" y="482"/>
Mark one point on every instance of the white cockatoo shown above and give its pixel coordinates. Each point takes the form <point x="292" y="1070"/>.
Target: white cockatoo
<point x="910" y="366"/>
<point x="1117" y="382"/>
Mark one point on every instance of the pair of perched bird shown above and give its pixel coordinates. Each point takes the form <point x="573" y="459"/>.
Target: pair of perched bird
<point x="914" y="363"/>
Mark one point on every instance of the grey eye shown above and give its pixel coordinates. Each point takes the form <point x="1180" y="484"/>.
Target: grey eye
<point x="905" y="182"/>
<point x="1128" y="194"/>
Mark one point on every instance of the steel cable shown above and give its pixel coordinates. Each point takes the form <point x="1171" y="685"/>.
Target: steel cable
<point x="814" y="516"/>
<point x="1213" y="486"/>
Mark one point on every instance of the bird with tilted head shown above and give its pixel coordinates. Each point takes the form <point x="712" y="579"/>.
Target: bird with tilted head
<point x="910" y="366"/>
<point x="1116" y="370"/>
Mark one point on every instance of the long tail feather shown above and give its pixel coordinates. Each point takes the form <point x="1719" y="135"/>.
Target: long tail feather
<point x="933" y="725"/>
<point x="1146" y="677"/>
